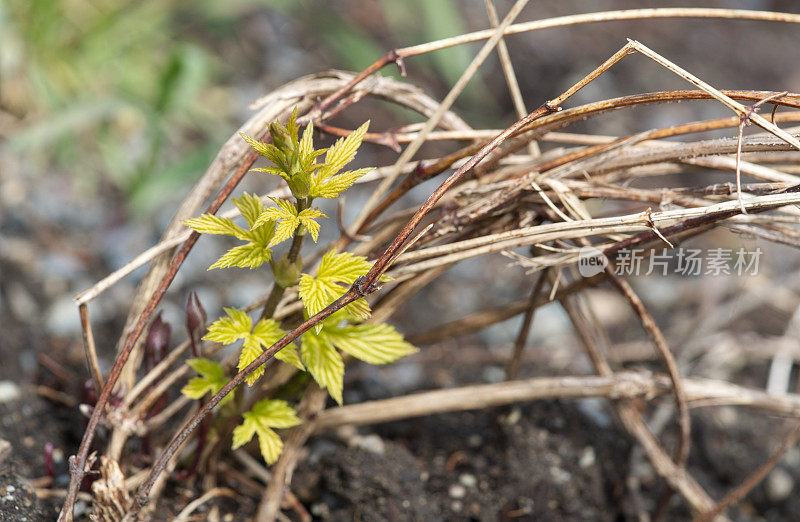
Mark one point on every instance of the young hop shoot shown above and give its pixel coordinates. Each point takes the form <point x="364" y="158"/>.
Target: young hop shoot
<point x="308" y="176"/>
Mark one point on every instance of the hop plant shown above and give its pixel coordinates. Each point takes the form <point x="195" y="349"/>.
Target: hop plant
<point x="295" y="160"/>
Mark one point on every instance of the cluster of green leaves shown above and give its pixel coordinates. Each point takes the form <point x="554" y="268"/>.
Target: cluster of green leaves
<point x="294" y="159"/>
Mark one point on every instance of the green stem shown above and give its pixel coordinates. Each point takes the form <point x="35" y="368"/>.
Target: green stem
<point x="276" y="293"/>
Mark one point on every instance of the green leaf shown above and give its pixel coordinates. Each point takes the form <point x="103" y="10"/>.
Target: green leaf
<point x="342" y="268"/>
<point x="327" y="182"/>
<point x="212" y="379"/>
<point x="267" y="150"/>
<point x="275" y="414"/>
<point x="250" y="351"/>
<point x="306" y="218"/>
<point x="316" y="293"/>
<point x="307" y="142"/>
<point x="211" y="224"/>
<point x="324" y="364"/>
<point x="336" y="272"/>
<point x="287" y="219"/>
<point x="270" y="445"/>
<point x="250" y="206"/>
<point x="265" y="333"/>
<point x="332" y="187"/>
<point x="373" y="343"/>
<point x="264" y="416"/>
<point x="289" y="355"/>
<point x="262" y="235"/>
<point x="252" y="254"/>
<point x="343" y="152"/>
<point x="249" y="255"/>
<point x="227" y="330"/>
<point x="285" y="215"/>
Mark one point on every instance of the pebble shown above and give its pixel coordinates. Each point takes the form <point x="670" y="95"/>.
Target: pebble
<point x="62" y="317"/>
<point x="21" y="303"/>
<point x="457" y="491"/>
<point x="588" y="458"/>
<point x="494" y="374"/>
<point x="467" y="480"/>
<point x="405" y="377"/>
<point x="320" y="509"/>
<point x="559" y="475"/>
<point x="371" y="443"/>
<point x="9" y="392"/>
<point x="779" y="485"/>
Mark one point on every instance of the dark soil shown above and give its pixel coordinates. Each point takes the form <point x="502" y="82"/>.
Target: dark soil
<point x="542" y="462"/>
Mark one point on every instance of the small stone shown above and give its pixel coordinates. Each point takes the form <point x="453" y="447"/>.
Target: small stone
<point x="559" y="475"/>
<point x="456" y="506"/>
<point x="9" y="391"/>
<point x="62" y="317"/>
<point x="494" y="374"/>
<point x="21" y="303"/>
<point x="457" y="491"/>
<point x="371" y="443"/>
<point x="320" y="509"/>
<point x="474" y="440"/>
<point x="10" y="489"/>
<point x="513" y="417"/>
<point x="467" y="480"/>
<point x="779" y="485"/>
<point x="588" y="458"/>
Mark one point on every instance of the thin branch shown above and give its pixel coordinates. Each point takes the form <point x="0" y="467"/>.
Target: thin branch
<point x="508" y="72"/>
<point x="89" y="347"/>
<point x="753" y="480"/>
<point x="660" y="342"/>
<point x="620" y="385"/>
<point x="433" y="121"/>
<point x="525" y="328"/>
<point x="183" y="516"/>
<point x="607" y="16"/>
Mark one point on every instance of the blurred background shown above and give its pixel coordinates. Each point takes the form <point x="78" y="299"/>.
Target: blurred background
<point x="110" y="111"/>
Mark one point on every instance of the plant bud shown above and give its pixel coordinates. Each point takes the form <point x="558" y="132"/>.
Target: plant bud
<point x="49" y="462"/>
<point x="195" y="317"/>
<point x="287" y="273"/>
<point x="155" y="347"/>
<point x="88" y="393"/>
<point x="279" y="137"/>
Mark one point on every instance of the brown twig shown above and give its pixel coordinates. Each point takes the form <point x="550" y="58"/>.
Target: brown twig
<point x="753" y="480"/>
<point x="649" y="324"/>
<point x="89" y="347"/>
<point x="525" y="328"/>
<point x="745" y="121"/>
<point x="620" y="385"/>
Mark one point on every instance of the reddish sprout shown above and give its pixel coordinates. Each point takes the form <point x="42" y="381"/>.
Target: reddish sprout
<point x="49" y="464"/>
<point x="195" y="321"/>
<point x="157" y="342"/>
<point x="88" y="393"/>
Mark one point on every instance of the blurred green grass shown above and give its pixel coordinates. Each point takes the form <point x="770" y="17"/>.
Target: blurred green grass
<point x="135" y="95"/>
<point x="108" y="91"/>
